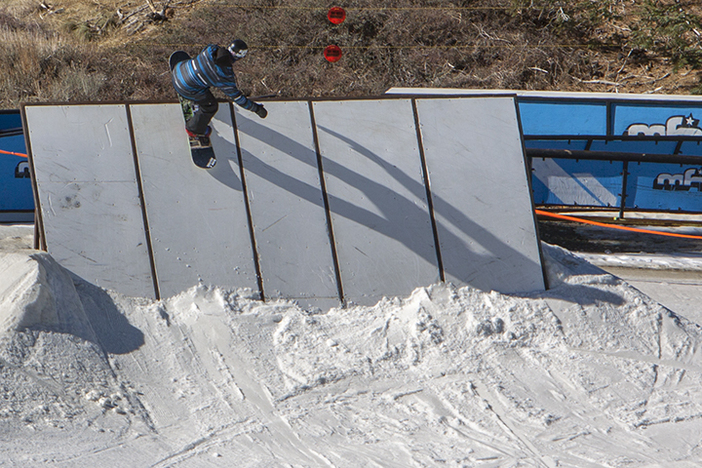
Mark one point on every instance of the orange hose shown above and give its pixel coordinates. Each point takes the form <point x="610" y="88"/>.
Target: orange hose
<point x="623" y="228"/>
<point x="14" y="154"/>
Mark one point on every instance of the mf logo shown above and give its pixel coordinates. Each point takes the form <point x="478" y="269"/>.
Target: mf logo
<point x="22" y="170"/>
<point x="675" y="125"/>
<point x="685" y="181"/>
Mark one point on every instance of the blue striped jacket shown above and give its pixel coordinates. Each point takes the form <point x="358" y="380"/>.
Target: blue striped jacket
<point x="192" y="78"/>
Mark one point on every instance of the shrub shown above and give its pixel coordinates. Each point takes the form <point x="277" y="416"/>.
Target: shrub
<point x="671" y="31"/>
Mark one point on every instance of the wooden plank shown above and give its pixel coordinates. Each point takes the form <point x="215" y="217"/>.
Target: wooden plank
<point x="480" y="192"/>
<point x="197" y="217"/>
<point x="377" y="197"/>
<point x="88" y="194"/>
<point x="287" y="205"/>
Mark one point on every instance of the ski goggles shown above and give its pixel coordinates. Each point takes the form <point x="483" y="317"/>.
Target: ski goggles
<point x="238" y="54"/>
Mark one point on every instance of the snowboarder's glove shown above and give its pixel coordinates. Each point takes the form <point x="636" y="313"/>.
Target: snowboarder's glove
<point x="260" y="110"/>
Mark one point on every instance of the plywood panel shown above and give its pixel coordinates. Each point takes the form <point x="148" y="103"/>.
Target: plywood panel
<point x="287" y="206"/>
<point x="197" y="217"/>
<point x="88" y="194"/>
<point x="373" y="174"/>
<point x="480" y="193"/>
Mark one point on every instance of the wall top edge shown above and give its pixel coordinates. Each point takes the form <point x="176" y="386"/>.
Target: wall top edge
<point x="382" y="97"/>
<point x="565" y="95"/>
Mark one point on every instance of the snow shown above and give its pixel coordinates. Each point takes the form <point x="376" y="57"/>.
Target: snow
<point x="591" y="373"/>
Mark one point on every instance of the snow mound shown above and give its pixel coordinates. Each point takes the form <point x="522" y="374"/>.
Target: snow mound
<point x="53" y="370"/>
<point x="590" y="373"/>
<point x="37" y="292"/>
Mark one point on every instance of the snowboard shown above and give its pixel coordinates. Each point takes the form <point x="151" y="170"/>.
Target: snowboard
<point x="201" y="149"/>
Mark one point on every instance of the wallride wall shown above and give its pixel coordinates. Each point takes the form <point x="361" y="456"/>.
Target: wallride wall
<point x="325" y="202"/>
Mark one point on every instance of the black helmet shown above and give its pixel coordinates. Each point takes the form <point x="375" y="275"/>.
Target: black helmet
<point x="238" y="49"/>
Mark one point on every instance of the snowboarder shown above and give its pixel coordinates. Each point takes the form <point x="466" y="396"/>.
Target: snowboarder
<point x="193" y="79"/>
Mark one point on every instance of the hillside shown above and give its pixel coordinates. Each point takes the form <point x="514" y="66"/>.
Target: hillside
<point x="77" y="50"/>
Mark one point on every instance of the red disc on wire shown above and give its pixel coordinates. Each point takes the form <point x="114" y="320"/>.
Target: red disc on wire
<point x="336" y="15"/>
<point x="332" y="53"/>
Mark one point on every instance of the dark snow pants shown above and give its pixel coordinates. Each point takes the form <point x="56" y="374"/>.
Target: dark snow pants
<point x="203" y="111"/>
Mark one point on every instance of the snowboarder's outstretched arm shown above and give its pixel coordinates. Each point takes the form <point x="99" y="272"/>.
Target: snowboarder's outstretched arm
<point x="227" y="81"/>
<point x="248" y="104"/>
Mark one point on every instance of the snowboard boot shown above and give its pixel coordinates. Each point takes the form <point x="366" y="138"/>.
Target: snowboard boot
<point x="200" y="140"/>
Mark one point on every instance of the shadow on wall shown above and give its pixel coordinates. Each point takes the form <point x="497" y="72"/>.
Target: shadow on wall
<point x="112" y="330"/>
<point x="395" y="208"/>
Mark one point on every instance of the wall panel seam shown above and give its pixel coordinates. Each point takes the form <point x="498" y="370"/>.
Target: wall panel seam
<point x="142" y="200"/>
<point x="427" y="187"/>
<point x="327" y="209"/>
<point x="247" y="206"/>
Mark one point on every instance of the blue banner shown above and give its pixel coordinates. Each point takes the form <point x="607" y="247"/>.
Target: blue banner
<point x="576" y="182"/>
<point x="664" y="187"/>
<point x="654" y="186"/>
<point x="10" y="119"/>
<point x="563" y="117"/>
<point x="15" y="184"/>
<point x="657" y="119"/>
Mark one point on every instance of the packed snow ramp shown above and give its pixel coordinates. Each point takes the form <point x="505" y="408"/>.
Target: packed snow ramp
<point x="326" y="201"/>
